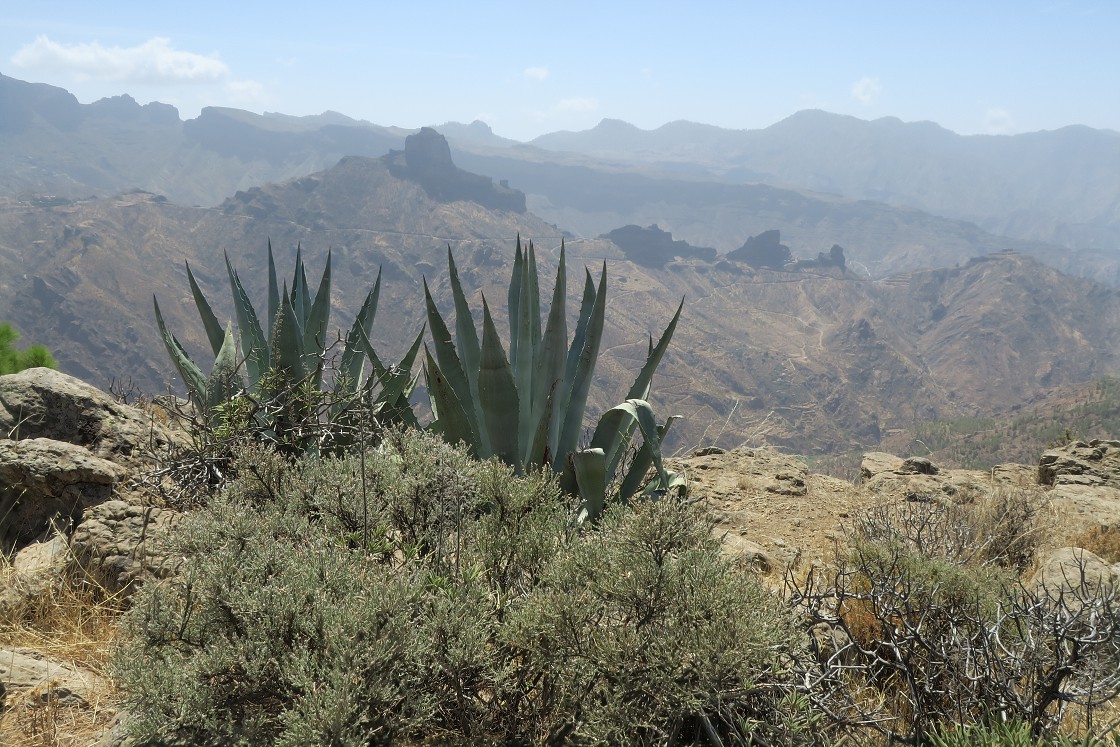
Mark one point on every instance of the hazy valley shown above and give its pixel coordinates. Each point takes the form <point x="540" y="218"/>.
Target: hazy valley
<point x="931" y="318"/>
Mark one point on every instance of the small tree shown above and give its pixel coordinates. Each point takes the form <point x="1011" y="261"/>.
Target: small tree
<point x="12" y="360"/>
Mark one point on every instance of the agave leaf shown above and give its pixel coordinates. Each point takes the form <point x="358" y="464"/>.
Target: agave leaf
<point x="319" y="313"/>
<point x="209" y="321"/>
<point x="534" y="299"/>
<point x="287" y="345"/>
<point x="301" y="296"/>
<point x="254" y="344"/>
<point x="522" y="357"/>
<point x="513" y="299"/>
<point x="224" y="381"/>
<point x="353" y="359"/>
<point x="189" y="372"/>
<point x="452" y="369"/>
<point x="580" y="380"/>
<point x="466" y="335"/>
<point x="451" y="419"/>
<point x="539" y="452"/>
<point x="639" y="466"/>
<point x="548" y="379"/>
<point x="396" y="381"/>
<point x="498" y="394"/>
<point x="587" y="304"/>
<point x="589" y="466"/>
<point x="273" y="288"/>
<point x="640" y="388"/>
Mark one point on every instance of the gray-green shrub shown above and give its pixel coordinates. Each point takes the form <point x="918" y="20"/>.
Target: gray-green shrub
<point x="412" y="593"/>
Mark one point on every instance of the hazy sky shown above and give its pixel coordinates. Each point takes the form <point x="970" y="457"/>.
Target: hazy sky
<point x="527" y="67"/>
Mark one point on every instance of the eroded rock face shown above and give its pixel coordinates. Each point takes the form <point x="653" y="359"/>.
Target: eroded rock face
<point x="1080" y="463"/>
<point x="43" y="403"/>
<point x="120" y="544"/>
<point x="1085" y="481"/>
<point x="45" y="482"/>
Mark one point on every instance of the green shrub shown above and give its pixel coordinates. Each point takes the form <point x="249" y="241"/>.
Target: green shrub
<point x="14" y="361"/>
<point x="411" y="593"/>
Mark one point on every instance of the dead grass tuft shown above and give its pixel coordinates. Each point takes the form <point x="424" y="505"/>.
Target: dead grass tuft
<point x="75" y="622"/>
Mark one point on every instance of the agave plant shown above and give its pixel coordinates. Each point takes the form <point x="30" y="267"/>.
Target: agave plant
<point x="528" y="408"/>
<point x="285" y="366"/>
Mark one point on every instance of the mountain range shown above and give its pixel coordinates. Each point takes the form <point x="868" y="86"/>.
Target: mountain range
<point x="923" y="317"/>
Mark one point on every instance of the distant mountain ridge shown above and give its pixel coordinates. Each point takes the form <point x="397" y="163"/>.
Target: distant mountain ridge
<point x="1058" y="186"/>
<point x="1054" y="195"/>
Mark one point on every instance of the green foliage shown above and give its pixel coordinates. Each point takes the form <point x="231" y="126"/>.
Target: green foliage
<point x="413" y="594"/>
<point x="285" y="366"/>
<point x="528" y="408"/>
<point x="1013" y="734"/>
<point x="13" y="361"/>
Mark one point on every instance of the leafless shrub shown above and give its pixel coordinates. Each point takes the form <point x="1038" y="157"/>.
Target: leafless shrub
<point x="927" y="630"/>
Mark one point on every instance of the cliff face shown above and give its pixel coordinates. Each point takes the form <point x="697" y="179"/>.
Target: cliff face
<point x="426" y="160"/>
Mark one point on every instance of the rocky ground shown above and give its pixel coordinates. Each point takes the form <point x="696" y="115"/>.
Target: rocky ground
<point x="82" y="536"/>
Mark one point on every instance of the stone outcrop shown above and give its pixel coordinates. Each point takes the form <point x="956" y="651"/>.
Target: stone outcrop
<point x="44" y="403"/>
<point x="68" y="453"/>
<point x="426" y="160"/>
<point x="770" y="510"/>
<point x="652" y="247"/>
<point x="764" y="250"/>
<point x="47" y="485"/>
<point x="1084" y="482"/>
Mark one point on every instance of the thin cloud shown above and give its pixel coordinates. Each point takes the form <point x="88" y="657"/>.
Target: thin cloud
<point x="866" y="90"/>
<point x="535" y="73"/>
<point x="154" y="61"/>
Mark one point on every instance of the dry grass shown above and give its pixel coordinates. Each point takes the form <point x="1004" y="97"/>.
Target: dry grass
<point x="1102" y="541"/>
<point x="75" y="623"/>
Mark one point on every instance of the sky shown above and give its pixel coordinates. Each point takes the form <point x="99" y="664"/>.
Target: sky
<point x="527" y="68"/>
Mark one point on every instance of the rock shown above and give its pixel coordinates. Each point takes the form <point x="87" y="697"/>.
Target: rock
<point x="829" y="641"/>
<point x="119" y="544"/>
<point x="35" y="569"/>
<point x="24" y="670"/>
<point x="44" y="481"/>
<point x="43" y="403"/>
<point x="876" y="462"/>
<point x="1094" y="463"/>
<point x="1069" y="569"/>
<point x="919" y="466"/>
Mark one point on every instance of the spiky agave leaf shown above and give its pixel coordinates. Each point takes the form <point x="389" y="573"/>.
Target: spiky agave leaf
<point x="224" y="381"/>
<point x="452" y="369"/>
<point x="498" y="394"/>
<point x="210" y="322"/>
<point x="254" y="343"/>
<point x="584" y="370"/>
<point x="189" y="372"/>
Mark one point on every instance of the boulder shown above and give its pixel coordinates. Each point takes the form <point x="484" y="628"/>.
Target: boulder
<point x="1092" y="463"/>
<point x="876" y="462"/>
<point x="26" y="671"/>
<point x="34" y="570"/>
<point x="44" y="403"/>
<point x="119" y="544"/>
<point x="1074" y="570"/>
<point x="45" y="483"/>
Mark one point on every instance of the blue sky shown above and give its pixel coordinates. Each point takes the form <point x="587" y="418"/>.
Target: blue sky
<point x="527" y="68"/>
